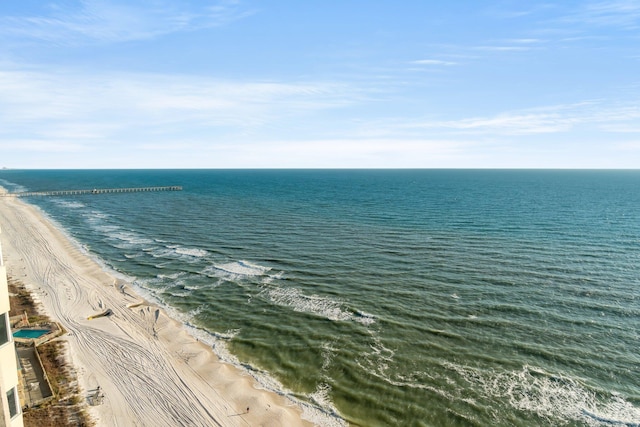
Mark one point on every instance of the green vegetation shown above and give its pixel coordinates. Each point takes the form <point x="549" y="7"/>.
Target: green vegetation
<point x="67" y="409"/>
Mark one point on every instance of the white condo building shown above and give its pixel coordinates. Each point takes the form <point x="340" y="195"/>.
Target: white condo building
<point x="10" y="411"/>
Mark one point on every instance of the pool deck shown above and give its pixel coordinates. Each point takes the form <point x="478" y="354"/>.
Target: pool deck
<point x="34" y="387"/>
<point x="37" y="388"/>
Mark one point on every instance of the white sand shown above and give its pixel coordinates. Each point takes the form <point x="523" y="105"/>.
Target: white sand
<point x="151" y="371"/>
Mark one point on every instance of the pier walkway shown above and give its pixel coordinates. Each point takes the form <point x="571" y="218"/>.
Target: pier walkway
<point x="93" y="191"/>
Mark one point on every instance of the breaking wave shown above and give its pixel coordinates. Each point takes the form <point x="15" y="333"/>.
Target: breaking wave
<point x="313" y="304"/>
<point x="555" y="398"/>
<point x="237" y="269"/>
<point x="193" y="252"/>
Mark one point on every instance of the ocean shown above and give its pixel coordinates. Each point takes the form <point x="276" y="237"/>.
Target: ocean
<point x="388" y="297"/>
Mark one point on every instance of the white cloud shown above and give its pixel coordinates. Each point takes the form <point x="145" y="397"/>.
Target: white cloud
<point x="92" y="110"/>
<point x="116" y="21"/>
<point x="42" y="145"/>
<point x="617" y="13"/>
<point x="629" y="146"/>
<point x="527" y="41"/>
<point x="549" y="119"/>
<point x="503" y="48"/>
<point x="514" y="124"/>
<point x="342" y="152"/>
<point x="622" y="128"/>
<point x="433" y="62"/>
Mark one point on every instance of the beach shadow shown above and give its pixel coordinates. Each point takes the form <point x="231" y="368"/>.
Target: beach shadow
<point x="240" y="414"/>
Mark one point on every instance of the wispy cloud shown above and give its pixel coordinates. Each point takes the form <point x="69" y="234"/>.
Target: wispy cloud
<point x="527" y="41"/>
<point x="587" y="20"/>
<point x="614" y="13"/>
<point x="514" y="124"/>
<point x="51" y="106"/>
<point x="37" y="145"/>
<point x="347" y="152"/>
<point x="550" y="119"/>
<point x="116" y="21"/>
<point x="629" y="146"/>
<point x="502" y="48"/>
<point x="523" y="10"/>
<point x="433" y="62"/>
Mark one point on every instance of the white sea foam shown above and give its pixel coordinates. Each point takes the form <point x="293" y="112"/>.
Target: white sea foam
<point x="196" y="311"/>
<point x="409" y="382"/>
<point x="270" y="278"/>
<point x="106" y="229"/>
<point x="321" y="395"/>
<point x="192" y="252"/>
<point x="163" y="253"/>
<point x="320" y="306"/>
<point x="69" y="204"/>
<point x="184" y="293"/>
<point x="97" y="215"/>
<point x="556" y="398"/>
<point x="313" y="304"/>
<point x="172" y="276"/>
<point x="237" y="269"/>
<point x="364" y="318"/>
<point x="328" y="353"/>
<point x="130" y="239"/>
<point x="16" y="187"/>
<point x="379" y="359"/>
<point x="322" y="414"/>
<point x="97" y="221"/>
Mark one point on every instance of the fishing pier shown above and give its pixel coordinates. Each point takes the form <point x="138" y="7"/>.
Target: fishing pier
<point x="92" y="191"/>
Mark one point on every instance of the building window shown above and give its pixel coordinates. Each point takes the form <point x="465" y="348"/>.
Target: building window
<point x="5" y="332"/>
<point x="12" y="398"/>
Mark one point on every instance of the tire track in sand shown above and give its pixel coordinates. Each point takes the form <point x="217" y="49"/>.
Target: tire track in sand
<point x="141" y="384"/>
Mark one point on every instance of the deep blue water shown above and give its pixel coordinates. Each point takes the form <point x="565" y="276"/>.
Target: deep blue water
<point x="390" y="297"/>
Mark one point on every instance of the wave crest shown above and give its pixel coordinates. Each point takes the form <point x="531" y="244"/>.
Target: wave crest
<point x="239" y="269"/>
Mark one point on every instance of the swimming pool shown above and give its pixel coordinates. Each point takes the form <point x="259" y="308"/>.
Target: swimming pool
<point x="30" y="333"/>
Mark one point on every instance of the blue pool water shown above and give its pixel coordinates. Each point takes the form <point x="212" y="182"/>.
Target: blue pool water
<point x="30" y="333"/>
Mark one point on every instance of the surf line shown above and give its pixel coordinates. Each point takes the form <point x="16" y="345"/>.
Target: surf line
<point x="609" y="421"/>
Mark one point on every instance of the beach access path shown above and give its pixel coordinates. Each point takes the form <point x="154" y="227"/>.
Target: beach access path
<point x="151" y="371"/>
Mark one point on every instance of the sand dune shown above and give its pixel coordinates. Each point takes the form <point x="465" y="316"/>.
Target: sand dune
<point x="151" y="371"/>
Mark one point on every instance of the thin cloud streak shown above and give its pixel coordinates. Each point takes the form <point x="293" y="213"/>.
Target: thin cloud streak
<point x="344" y="152"/>
<point x="629" y="146"/>
<point x="38" y="105"/>
<point x="44" y="145"/>
<point x="102" y="21"/>
<point x="40" y="95"/>
<point x="618" y="13"/>
<point x="551" y="119"/>
<point x="433" y="62"/>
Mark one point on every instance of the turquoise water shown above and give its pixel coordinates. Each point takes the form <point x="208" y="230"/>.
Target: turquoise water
<point x="387" y="298"/>
<point x="30" y="333"/>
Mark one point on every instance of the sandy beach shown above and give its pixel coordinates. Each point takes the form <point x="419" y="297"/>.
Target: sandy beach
<point x="152" y="372"/>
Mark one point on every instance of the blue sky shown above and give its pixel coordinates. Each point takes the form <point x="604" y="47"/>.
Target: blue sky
<point x="355" y="84"/>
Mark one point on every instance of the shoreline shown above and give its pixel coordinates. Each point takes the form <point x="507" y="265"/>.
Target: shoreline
<point x="151" y="370"/>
